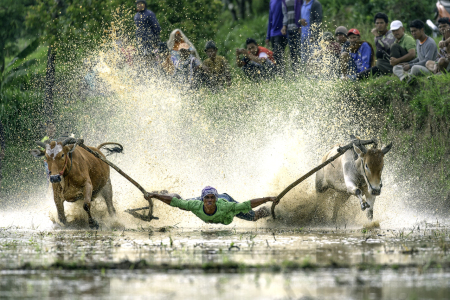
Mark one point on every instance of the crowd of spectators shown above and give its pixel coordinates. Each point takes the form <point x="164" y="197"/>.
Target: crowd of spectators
<point x="297" y="24"/>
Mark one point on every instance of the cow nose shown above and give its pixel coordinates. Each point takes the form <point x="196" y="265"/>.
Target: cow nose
<point x="376" y="192"/>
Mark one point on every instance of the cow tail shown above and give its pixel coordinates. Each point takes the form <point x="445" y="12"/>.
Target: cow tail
<point x="117" y="149"/>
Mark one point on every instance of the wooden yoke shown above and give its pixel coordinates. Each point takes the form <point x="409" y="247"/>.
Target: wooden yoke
<point x="341" y="151"/>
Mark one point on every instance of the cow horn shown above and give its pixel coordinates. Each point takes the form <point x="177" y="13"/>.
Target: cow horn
<point x="41" y="144"/>
<point x="387" y="148"/>
<point x="68" y="141"/>
<point x="361" y="147"/>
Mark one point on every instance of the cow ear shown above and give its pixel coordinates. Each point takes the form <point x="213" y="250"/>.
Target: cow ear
<point x="387" y="148"/>
<point x="37" y="153"/>
<point x="357" y="150"/>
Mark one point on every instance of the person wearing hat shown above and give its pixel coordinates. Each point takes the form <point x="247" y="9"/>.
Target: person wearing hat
<point x="214" y="208"/>
<point x="187" y="67"/>
<point x="426" y="49"/>
<point x="359" y="58"/>
<point x="215" y="69"/>
<point x="341" y="37"/>
<point x="147" y="28"/>
<point x="404" y="47"/>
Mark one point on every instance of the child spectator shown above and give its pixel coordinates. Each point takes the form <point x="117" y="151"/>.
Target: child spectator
<point x="215" y="68"/>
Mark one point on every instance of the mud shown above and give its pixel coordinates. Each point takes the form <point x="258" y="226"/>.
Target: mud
<point x="181" y="263"/>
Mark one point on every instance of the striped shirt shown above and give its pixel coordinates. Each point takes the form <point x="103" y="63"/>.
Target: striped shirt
<point x="289" y="15"/>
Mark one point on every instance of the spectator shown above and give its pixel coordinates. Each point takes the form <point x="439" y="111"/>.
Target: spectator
<point x="177" y="38"/>
<point x="216" y="71"/>
<point x="442" y="63"/>
<point x="164" y="61"/>
<point x="310" y="22"/>
<point x="341" y="37"/>
<point x="274" y="34"/>
<point x="147" y="28"/>
<point x="404" y="48"/>
<point x="257" y="62"/>
<point x="384" y="39"/>
<point x="426" y="50"/>
<point x="291" y="16"/>
<point x="359" y="58"/>
<point x="186" y="68"/>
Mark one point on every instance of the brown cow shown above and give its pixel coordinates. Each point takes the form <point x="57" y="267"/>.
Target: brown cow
<point x="76" y="174"/>
<point x="357" y="172"/>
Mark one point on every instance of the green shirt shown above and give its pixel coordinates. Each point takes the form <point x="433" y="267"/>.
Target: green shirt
<point x="407" y="42"/>
<point x="224" y="214"/>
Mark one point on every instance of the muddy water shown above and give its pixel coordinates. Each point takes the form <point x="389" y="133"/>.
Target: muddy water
<point x="175" y="263"/>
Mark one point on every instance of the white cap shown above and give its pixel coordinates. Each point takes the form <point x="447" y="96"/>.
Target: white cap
<point x="396" y="25"/>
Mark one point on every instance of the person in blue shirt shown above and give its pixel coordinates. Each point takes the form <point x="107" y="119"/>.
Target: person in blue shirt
<point x="310" y="22"/>
<point x="147" y="28"/>
<point x="359" y="58"/>
<point x="275" y="36"/>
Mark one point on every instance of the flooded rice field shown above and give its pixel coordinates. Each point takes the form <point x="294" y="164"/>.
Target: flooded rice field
<point x="180" y="263"/>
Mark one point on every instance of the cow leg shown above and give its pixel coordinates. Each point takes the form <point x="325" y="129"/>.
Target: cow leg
<point x="362" y="202"/>
<point x="371" y="201"/>
<point x="107" y="194"/>
<point x="59" y="202"/>
<point x="87" y="204"/>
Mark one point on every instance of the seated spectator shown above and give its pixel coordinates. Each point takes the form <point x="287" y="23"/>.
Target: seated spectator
<point x="341" y="37"/>
<point x="383" y="42"/>
<point x="404" y="48"/>
<point x="186" y="68"/>
<point x="164" y="61"/>
<point x="257" y="62"/>
<point x="426" y="50"/>
<point x="359" y="58"/>
<point x="215" y="68"/>
<point x="177" y="38"/>
<point x="442" y="63"/>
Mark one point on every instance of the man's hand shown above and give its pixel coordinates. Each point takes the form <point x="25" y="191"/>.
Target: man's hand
<point x="442" y="44"/>
<point x="241" y="51"/>
<point x="267" y="42"/>
<point x="303" y="22"/>
<point x="406" y="67"/>
<point x="283" y="30"/>
<point x="374" y="31"/>
<point x="271" y="199"/>
<point x="394" y="61"/>
<point x="149" y="196"/>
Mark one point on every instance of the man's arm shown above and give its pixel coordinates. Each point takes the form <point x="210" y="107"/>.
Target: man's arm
<point x="257" y="59"/>
<point x="430" y="54"/>
<point x="164" y="198"/>
<point x="257" y="202"/>
<point x="405" y="58"/>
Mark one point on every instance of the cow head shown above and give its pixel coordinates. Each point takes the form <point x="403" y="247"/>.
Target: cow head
<point x="372" y="162"/>
<point x="56" y="155"/>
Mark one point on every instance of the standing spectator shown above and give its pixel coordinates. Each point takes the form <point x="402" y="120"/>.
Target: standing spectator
<point x="257" y="62"/>
<point x="147" y="28"/>
<point x="291" y="16"/>
<point x="384" y="39"/>
<point x="341" y="37"/>
<point x="404" y="48"/>
<point x="274" y="34"/>
<point x="426" y="50"/>
<point x="442" y="63"/>
<point x="216" y="72"/>
<point x="176" y="38"/>
<point x="359" y="58"/>
<point x="310" y="22"/>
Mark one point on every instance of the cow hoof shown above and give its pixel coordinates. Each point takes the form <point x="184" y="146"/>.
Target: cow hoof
<point x="93" y="224"/>
<point x="364" y="205"/>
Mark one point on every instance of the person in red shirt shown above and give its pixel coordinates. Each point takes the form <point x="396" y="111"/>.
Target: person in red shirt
<point x="257" y="62"/>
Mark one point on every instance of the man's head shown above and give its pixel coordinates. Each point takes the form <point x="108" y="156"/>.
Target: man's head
<point x="341" y="34"/>
<point x="328" y="36"/>
<point x="211" y="49"/>
<point x="252" y="46"/>
<point x="444" y="26"/>
<point x="417" y="29"/>
<point x="141" y="5"/>
<point x="397" y="29"/>
<point x="209" y="196"/>
<point x="381" y="22"/>
<point x="353" y="35"/>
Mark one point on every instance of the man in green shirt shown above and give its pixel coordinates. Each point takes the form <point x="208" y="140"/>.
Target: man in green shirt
<point x="404" y="48"/>
<point x="212" y="209"/>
